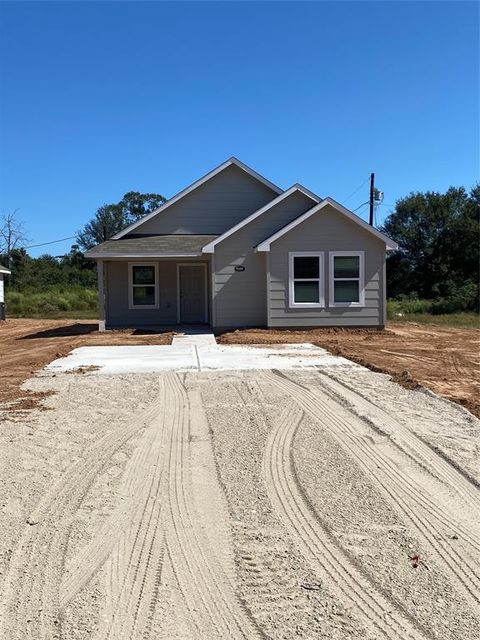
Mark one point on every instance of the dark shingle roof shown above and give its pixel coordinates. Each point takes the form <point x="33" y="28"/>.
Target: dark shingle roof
<point x="151" y="246"/>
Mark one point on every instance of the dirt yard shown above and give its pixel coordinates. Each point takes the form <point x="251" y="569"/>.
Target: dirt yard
<point x="28" y="345"/>
<point x="314" y="504"/>
<point x="444" y="360"/>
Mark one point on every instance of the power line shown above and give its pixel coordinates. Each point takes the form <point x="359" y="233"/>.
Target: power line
<point x="357" y="189"/>
<point x="361" y="205"/>
<point x="42" y="244"/>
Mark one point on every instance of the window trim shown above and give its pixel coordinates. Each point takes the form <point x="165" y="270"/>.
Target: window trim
<point x="321" y="278"/>
<point x="361" y="278"/>
<point x="131" y="304"/>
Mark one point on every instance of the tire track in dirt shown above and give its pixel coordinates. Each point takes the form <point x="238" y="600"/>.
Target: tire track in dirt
<point x="159" y="516"/>
<point x="208" y="592"/>
<point x="139" y="487"/>
<point x="30" y="596"/>
<point x="331" y="563"/>
<point x="459" y="567"/>
<point x="458" y="363"/>
<point x="131" y="541"/>
<point x="416" y="449"/>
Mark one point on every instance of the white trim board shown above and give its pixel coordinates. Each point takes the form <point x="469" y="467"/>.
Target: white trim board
<point x="390" y="244"/>
<point x="7" y="271"/>
<point x="321" y="280"/>
<point x="210" y="247"/>
<point x="195" y="185"/>
<point x="361" y="278"/>
<point x="192" y="264"/>
<point x="131" y="305"/>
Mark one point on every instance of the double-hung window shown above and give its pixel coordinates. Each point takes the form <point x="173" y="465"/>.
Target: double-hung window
<point x="346" y="282"/>
<point x="143" y="285"/>
<point x="306" y="279"/>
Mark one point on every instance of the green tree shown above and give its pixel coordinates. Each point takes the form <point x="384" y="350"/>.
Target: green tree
<point x="46" y="271"/>
<point x="110" y="219"/>
<point x="438" y="236"/>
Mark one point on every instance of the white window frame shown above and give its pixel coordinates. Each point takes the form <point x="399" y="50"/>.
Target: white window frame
<point x="361" y="278"/>
<point x="320" y="279"/>
<point x="131" y="286"/>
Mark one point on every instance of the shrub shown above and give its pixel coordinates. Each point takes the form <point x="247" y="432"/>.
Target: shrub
<point x="55" y="301"/>
<point x="463" y="299"/>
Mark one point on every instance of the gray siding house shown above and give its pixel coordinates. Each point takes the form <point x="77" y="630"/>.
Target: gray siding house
<point x="234" y="250"/>
<point x="3" y="272"/>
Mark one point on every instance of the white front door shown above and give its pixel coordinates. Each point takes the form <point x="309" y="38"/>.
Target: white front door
<point x="192" y="293"/>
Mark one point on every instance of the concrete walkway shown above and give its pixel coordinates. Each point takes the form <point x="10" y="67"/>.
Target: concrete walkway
<point x="194" y="339"/>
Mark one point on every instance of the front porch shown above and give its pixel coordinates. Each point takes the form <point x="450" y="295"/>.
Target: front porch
<point x="154" y="292"/>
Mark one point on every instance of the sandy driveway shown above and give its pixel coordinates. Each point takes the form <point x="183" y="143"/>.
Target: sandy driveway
<point x="239" y="505"/>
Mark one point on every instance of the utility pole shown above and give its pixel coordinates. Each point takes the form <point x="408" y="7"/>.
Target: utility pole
<point x="372" y="197"/>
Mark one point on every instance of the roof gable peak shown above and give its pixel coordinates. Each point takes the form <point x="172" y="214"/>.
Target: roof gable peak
<point x="210" y="247"/>
<point x="194" y="185"/>
<point x="265" y="245"/>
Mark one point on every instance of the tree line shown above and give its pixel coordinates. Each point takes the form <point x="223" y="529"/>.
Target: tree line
<point x="439" y="248"/>
<point x="438" y="257"/>
<point x="72" y="268"/>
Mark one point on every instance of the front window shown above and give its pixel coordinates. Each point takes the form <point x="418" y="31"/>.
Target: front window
<point x="306" y="279"/>
<point x="346" y="279"/>
<point x="143" y="280"/>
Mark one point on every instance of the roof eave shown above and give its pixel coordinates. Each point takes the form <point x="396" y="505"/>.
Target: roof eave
<point x="147" y="256"/>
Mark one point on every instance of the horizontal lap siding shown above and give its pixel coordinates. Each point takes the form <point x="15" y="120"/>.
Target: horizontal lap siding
<point x="326" y="231"/>
<point x="211" y="209"/>
<point x="241" y="296"/>
<point x="117" y="312"/>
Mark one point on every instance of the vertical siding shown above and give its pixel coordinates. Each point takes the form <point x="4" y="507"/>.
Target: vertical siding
<point x="217" y="205"/>
<point x="117" y="311"/>
<point x="240" y="297"/>
<point x="327" y="231"/>
<point x="1" y="288"/>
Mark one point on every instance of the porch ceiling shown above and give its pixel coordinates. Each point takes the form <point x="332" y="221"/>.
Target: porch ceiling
<point x="151" y="246"/>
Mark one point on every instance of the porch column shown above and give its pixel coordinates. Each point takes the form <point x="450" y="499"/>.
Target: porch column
<point x="101" y="296"/>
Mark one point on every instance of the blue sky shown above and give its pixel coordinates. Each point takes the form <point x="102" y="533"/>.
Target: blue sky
<point x="101" y="98"/>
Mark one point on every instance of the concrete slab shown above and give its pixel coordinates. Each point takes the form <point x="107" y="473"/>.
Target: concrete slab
<point x="129" y="359"/>
<point x="233" y="357"/>
<point x="191" y="357"/>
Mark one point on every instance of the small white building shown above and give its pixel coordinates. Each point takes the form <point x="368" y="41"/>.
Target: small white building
<point x="3" y="272"/>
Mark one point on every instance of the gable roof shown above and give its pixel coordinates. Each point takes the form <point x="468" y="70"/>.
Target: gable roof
<point x="4" y="270"/>
<point x="158" y="246"/>
<point x="265" y="245"/>
<point x="181" y="194"/>
<point x="210" y="247"/>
